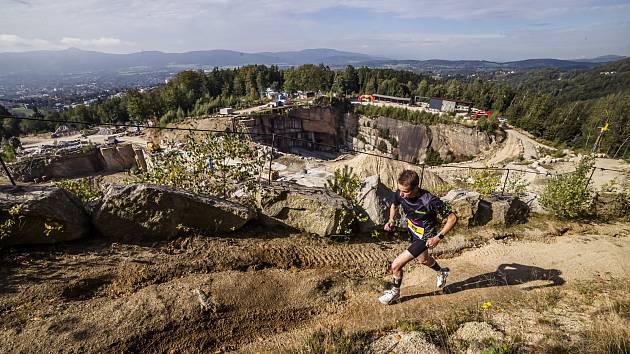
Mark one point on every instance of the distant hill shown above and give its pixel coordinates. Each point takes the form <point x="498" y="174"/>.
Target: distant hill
<point x="602" y="59"/>
<point x="470" y="66"/>
<point x="73" y="60"/>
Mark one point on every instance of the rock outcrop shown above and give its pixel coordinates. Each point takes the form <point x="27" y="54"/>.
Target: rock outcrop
<point x="388" y="170"/>
<point x="313" y="210"/>
<point x="508" y="211"/>
<point x="374" y="198"/>
<point x="148" y="212"/>
<point x="457" y="141"/>
<point x="41" y="215"/>
<point x="464" y="203"/>
<point x="472" y="210"/>
<point x="411" y="141"/>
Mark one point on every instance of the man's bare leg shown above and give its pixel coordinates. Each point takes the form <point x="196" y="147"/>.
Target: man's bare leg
<point x="397" y="270"/>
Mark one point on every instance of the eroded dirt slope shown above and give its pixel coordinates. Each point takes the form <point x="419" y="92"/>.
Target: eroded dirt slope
<point x="266" y="291"/>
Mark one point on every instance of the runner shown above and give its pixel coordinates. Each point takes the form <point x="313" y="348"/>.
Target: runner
<point x="421" y="209"/>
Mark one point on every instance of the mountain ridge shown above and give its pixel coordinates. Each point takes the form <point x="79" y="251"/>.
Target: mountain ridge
<point x="73" y="60"/>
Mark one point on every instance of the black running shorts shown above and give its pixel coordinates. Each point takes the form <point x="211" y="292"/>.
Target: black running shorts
<point x="417" y="246"/>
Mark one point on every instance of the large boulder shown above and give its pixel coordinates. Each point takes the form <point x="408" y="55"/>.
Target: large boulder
<point x="472" y="210"/>
<point x="464" y="204"/>
<point x="313" y="210"/>
<point x="508" y="211"/>
<point x="40" y="215"/>
<point x="374" y="198"/>
<point x="147" y="212"/>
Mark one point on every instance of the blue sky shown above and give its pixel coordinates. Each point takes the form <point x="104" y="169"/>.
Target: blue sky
<point x="400" y="29"/>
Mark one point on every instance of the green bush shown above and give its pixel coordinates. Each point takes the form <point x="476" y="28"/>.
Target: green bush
<point x="382" y="146"/>
<point x="569" y="195"/>
<point x="13" y="221"/>
<point x="8" y="152"/>
<point x="212" y="165"/>
<point x="346" y="184"/>
<point x="516" y="183"/>
<point x="433" y="158"/>
<point x="485" y="182"/>
<point x="86" y="189"/>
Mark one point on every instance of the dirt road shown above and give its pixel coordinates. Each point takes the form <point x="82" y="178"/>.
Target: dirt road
<point x="267" y="291"/>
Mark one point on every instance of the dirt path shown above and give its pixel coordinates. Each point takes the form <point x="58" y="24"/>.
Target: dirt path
<point x="487" y="273"/>
<point x="266" y="291"/>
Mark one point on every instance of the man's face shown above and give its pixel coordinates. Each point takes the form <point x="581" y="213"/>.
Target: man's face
<point x="406" y="192"/>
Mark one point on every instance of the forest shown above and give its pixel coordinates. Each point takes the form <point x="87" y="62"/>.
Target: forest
<point x="566" y="108"/>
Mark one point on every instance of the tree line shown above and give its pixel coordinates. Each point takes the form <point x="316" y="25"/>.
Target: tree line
<point x="562" y="107"/>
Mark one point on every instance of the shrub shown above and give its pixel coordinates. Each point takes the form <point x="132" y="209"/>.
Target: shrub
<point x="433" y="158"/>
<point x="569" y="195"/>
<point x="213" y="165"/>
<point x="441" y="190"/>
<point x="86" y="189"/>
<point x="485" y="182"/>
<point x="346" y="184"/>
<point x="382" y="146"/>
<point x="8" y="151"/>
<point x="13" y="221"/>
<point x="620" y="206"/>
<point x="516" y="183"/>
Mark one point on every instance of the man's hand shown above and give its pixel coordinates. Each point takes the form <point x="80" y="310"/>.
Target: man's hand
<point x="433" y="241"/>
<point x="389" y="226"/>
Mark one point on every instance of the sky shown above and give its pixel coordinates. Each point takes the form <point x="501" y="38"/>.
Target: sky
<point x="499" y="30"/>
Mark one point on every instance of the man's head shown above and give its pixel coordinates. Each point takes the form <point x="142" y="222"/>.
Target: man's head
<point x="408" y="182"/>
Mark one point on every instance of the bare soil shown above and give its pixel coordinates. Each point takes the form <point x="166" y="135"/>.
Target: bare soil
<point x="268" y="290"/>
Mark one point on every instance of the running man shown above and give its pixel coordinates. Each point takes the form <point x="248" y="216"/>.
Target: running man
<point x="421" y="209"/>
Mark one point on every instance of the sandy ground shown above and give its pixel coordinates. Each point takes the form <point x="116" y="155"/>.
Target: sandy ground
<point x="269" y="290"/>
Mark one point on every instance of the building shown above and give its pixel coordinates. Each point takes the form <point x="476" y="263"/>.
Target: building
<point x="446" y="105"/>
<point x="226" y="111"/>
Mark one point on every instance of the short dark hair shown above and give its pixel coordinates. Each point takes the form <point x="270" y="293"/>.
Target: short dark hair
<point x="409" y="178"/>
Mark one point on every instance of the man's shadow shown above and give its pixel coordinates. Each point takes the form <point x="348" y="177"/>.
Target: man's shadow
<point x="506" y="274"/>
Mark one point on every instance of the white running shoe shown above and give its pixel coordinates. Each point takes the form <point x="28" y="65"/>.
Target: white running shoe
<point x="441" y="278"/>
<point x="390" y="296"/>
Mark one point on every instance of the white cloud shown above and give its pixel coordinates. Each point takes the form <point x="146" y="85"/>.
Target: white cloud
<point x="430" y="27"/>
<point x="103" y="43"/>
<point x="15" y="43"/>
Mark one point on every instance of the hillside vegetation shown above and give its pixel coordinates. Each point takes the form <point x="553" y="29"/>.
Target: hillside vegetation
<point x="563" y="107"/>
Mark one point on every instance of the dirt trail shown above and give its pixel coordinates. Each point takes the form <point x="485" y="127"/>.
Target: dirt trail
<point x="487" y="273"/>
<point x="267" y="291"/>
